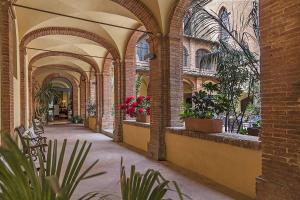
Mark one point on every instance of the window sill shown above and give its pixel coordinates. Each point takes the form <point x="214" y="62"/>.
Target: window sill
<point x="244" y="141"/>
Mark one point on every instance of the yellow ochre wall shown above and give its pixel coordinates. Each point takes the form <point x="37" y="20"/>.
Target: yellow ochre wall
<point x="228" y="165"/>
<point x="92" y="123"/>
<point x="136" y="136"/>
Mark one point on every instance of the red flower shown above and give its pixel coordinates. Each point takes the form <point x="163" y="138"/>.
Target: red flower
<point x="139" y="99"/>
<point x="140" y="110"/>
<point x="148" y="98"/>
<point x="131" y="110"/>
<point x="122" y="106"/>
<point x="129" y="99"/>
<point x="134" y="104"/>
<point x="148" y="110"/>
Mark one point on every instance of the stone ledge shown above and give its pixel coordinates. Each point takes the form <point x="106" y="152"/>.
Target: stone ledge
<point x="244" y="141"/>
<point x="135" y="123"/>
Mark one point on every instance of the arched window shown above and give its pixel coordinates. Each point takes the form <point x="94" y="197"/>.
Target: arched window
<point x="199" y="55"/>
<point x="185" y="57"/>
<point x="224" y="16"/>
<point x="142" y="49"/>
<point x="187" y="25"/>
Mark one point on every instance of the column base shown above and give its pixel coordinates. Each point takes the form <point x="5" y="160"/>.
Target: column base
<point x="270" y="190"/>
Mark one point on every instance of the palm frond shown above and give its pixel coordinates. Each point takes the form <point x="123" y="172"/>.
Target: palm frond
<point x="21" y="179"/>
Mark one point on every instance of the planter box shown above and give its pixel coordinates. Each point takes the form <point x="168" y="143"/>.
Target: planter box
<point x="253" y="131"/>
<point x="204" y="125"/>
<point x="143" y="118"/>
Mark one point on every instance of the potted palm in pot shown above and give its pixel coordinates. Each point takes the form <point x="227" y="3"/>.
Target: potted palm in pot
<point x="201" y="114"/>
<point x="137" y="107"/>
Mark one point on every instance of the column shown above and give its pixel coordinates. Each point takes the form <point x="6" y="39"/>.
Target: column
<point x="6" y="64"/>
<point x="99" y="96"/>
<point x="166" y="91"/>
<point x="280" y="97"/>
<point x="83" y="98"/>
<point x="119" y="97"/>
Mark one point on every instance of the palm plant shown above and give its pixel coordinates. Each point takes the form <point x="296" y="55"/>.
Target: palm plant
<point x="149" y="186"/>
<point x="43" y="97"/>
<point x="21" y="179"/>
<point x="237" y="64"/>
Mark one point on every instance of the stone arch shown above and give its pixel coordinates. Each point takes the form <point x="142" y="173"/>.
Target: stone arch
<point x="72" y="80"/>
<point x="57" y="31"/>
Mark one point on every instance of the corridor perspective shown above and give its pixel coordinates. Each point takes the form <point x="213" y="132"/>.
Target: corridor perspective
<point x="109" y="155"/>
<point x="205" y="93"/>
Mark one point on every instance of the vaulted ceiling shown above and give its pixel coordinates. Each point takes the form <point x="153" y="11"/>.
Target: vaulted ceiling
<point x="107" y="11"/>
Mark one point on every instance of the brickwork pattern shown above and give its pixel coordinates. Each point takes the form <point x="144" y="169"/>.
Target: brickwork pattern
<point x="107" y="118"/>
<point x="280" y="94"/>
<point x="6" y="54"/>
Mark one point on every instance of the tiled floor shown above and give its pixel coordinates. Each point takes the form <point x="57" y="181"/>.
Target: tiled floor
<point x="110" y="153"/>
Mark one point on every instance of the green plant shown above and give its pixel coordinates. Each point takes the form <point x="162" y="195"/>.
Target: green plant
<point x="243" y="131"/>
<point x="138" y="84"/>
<point x="77" y="119"/>
<point x="21" y="179"/>
<point x="43" y="97"/>
<point x="187" y="111"/>
<point x="206" y="104"/>
<point x="256" y="124"/>
<point x="238" y="66"/>
<point x="149" y="186"/>
<point x="91" y="108"/>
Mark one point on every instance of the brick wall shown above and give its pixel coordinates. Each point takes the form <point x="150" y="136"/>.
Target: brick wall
<point x="107" y="119"/>
<point x="280" y="87"/>
<point x="7" y="52"/>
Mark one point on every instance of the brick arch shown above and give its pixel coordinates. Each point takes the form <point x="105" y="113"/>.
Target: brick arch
<point x="84" y="86"/>
<point x="142" y="12"/>
<point x="71" y="32"/>
<point x="74" y="84"/>
<point x="91" y="62"/>
<point x="130" y="62"/>
<point x="55" y="31"/>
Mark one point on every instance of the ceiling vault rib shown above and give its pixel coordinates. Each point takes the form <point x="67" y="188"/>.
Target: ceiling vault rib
<point x="79" y="18"/>
<point x="45" y="50"/>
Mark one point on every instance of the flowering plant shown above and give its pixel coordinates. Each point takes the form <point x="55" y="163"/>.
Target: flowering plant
<point x="134" y="106"/>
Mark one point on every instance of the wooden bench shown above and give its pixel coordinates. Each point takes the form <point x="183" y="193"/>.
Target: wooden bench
<point x="32" y="145"/>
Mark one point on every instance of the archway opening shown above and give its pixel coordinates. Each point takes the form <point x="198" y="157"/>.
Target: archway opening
<point x="61" y="106"/>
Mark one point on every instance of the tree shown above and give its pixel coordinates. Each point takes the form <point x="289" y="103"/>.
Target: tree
<point x="238" y="67"/>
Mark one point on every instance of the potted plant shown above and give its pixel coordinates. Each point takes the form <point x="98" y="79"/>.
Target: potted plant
<point x="137" y="107"/>
<point x="255" y="129"/>
<point x="77" y="119"/>
<point x="206" y="106"/>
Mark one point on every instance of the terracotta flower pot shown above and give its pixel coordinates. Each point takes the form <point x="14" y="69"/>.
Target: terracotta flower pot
<point x="143" y="118"/>
<point x="253" y="131"/>
<point x="204" y="125"/>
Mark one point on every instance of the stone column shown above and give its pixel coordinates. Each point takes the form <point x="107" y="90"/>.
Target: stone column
<point x="6" y="64"/>
<point x="280" y="97"/>
<point x="166" y="92"/>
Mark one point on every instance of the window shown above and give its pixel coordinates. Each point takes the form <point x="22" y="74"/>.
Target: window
<point x="199" y="55"/>
<point x="187" y="25"/>
<point x="224" y="17"/>
<point x="142" y="49"/>
<point x="185" y="57"/>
